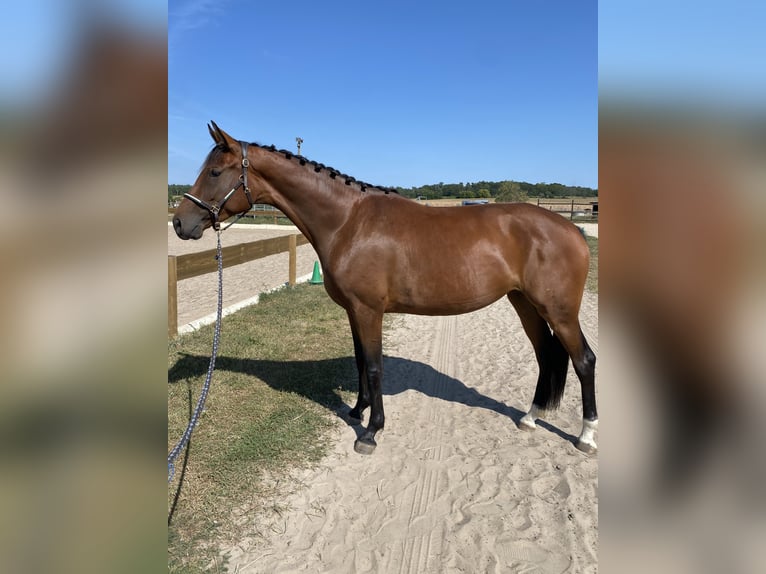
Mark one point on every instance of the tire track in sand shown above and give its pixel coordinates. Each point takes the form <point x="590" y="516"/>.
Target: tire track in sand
<point x="421" y="518"/>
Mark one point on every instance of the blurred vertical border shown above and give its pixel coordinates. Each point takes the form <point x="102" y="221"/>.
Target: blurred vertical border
<point x="83" y="170"/>
<point x="83" y="112"/>
<point x="682" y="176"/>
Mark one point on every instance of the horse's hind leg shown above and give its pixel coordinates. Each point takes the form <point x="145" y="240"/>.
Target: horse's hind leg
<point x="552" y="360"/>
<point x="584" y="362"/>
<point x="553" y="351"/>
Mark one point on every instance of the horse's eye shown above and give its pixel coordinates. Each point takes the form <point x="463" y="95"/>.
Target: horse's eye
<point x="215" y="172"/>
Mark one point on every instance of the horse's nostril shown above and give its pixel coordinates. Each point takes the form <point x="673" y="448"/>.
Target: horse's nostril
<point x="177" y="225"/>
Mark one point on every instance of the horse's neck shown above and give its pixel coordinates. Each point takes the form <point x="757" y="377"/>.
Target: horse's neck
<point x="317" y="205"/>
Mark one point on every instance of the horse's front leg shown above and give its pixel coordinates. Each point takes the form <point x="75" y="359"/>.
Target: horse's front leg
<point x="368" y="326"/>
<point x="363" y="396"/>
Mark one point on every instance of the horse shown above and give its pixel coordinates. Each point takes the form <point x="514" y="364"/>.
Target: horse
<point x="383" y="253"/>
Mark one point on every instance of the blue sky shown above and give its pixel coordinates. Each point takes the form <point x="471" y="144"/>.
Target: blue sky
<point x="707" y="53"/>
<point x="394" y="93"/>
<point x="46" y="31"/>
<point x="416" y="92"/>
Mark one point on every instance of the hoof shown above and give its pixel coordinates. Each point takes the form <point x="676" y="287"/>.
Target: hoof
<point x="527" y="424"/>
<point x="586" y="442"/>
<point x="365" y="447"/>
<point x="586" y="447"/>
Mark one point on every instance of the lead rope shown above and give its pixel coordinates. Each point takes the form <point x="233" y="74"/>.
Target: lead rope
<point x="206" y="387"/>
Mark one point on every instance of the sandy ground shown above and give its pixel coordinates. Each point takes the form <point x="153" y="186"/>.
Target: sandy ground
<point x="454" y="485"/>
<point x="590" y="228"/>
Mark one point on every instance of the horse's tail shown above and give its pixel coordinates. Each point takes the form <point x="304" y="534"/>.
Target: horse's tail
<point x="549" y="393"/>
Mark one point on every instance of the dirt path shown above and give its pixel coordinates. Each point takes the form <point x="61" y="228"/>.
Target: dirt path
<point x="454" y="485"/>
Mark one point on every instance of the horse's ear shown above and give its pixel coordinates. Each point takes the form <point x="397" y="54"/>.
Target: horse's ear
<point x="220" y="137"/>
<point x="214" y="132"/>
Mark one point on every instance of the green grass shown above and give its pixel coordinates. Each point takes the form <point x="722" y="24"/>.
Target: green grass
<point x="285" y="367"/>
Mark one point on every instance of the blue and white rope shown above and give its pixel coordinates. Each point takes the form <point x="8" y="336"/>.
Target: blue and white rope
<point x="206" y="387"/>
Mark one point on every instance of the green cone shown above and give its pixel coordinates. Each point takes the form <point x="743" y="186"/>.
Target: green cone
<point x="316" y="277"/>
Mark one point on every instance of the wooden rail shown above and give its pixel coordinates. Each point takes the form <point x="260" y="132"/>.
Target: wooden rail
<point x="182" y="267"/>
<point x="256" y="212"/>
<point x="583" y="209"/>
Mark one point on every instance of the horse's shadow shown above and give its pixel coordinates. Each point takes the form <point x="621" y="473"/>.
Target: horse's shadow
<point x="323" y="380"/>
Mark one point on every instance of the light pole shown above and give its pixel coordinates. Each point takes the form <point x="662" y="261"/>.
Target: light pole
<point x="299" y="141"/>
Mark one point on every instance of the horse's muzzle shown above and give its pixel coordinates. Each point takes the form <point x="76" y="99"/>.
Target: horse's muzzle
<point x="194" y="233"/>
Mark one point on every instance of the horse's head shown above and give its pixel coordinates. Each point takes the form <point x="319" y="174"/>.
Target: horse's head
<point x="221" y="189"/>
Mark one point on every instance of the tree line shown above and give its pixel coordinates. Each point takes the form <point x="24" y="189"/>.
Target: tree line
<point x="499" y="190"/>
<point x="177" y="189"/>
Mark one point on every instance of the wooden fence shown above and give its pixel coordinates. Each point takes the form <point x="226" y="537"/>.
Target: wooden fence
<point x="257" y="211"/>
<point x="581" y="210"/>
<point x="182" y="267"/>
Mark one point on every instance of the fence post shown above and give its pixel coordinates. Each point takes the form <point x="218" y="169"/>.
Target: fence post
<point x="293" y="264"/>
<point x="172" y="297"/>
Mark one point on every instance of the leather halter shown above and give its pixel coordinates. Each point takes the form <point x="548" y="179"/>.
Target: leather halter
<point x="214" y="208"/>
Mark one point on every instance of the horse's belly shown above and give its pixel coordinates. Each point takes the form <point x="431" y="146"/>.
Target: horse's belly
<point x="441" y="308"/>
<point x="449" y="297"/>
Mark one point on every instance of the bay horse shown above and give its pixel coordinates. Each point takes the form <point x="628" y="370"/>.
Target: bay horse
<point x="383" y="253"/>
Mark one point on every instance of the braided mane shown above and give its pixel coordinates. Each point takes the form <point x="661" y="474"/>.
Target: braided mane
<point x="331" y="172"/>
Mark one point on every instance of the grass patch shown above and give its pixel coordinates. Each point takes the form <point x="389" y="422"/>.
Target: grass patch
<point x="591" y="284"/>
<point x="285" y="367"/>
